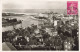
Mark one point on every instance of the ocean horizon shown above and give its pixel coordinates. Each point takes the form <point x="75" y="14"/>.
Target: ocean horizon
<point x="64" y="11"/>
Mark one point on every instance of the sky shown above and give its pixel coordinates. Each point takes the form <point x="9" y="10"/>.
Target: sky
<point x="33" y="4"/>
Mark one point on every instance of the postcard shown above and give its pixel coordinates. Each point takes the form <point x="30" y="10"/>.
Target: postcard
<point x="38" y="25"/>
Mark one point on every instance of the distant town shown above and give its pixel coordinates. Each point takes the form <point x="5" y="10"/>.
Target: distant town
<point x="47" y="30"/>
